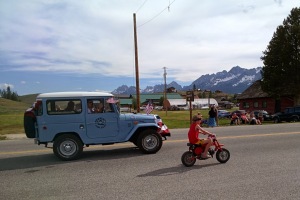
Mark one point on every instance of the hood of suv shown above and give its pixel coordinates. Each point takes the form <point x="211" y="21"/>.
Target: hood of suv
<point x="142" y="118"/>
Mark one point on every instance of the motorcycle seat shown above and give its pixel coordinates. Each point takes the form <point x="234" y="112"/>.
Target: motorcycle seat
<point x="196" y="145"/>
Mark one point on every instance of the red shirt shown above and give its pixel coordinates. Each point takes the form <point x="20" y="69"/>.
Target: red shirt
<point x="193" y="134"/>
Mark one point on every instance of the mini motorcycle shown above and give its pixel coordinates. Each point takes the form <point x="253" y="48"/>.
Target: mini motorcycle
<point x="189" y="157"/>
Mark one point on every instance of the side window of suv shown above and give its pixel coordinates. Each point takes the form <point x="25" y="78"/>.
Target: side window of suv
<point x="95" y="106"/>
<point x="64" y="107"/>
<point x="108" y="107"/>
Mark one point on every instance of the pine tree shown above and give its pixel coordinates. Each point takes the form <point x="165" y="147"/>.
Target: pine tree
<point x="8" y="94"/>
<point x="281" y="71"/>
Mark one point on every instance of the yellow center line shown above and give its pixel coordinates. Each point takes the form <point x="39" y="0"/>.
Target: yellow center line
<point x="24" y="152"/>
<point x="167" y="141"/>
<point x="243" y="136"/>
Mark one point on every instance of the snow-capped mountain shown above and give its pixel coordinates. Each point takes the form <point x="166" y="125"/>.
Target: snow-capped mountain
<point x="234" y="81"/>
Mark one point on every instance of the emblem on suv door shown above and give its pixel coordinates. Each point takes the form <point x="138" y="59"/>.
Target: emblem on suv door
<point x="100" y="122"/>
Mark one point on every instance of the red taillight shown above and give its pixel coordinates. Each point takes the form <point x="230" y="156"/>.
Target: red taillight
<point x="37" y="105"/>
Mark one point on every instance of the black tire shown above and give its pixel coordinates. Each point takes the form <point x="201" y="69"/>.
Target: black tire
<point x="223" y="155"/>
<point x="294" y="119"/>
<point x="276" y="120"/>
<point x="29" y="124"/>
<point x="149" y="141"/>
<point x="67" y="147"/>
<point x="188" y="159"/>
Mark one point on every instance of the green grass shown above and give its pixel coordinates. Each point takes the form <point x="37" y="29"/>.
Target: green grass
<point x="11" y="117"/>
<point x="181" y="119"/>
<point x="11" y="123"/>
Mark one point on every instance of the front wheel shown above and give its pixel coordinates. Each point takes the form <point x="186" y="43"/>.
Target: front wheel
<point x="149" y="141"/>
<point x="188" y="159"/>
<point x="223" y="155"/>
<point x="67" y="147"/>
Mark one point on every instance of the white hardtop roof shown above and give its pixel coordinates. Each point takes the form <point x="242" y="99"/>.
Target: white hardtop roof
<point x="74" y="94"/>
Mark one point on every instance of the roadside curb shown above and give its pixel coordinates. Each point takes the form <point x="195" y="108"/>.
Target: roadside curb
<point x="18" y="136"/>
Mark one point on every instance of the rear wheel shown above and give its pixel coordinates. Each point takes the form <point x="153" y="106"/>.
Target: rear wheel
<point x="294" y="119"/>
<point x="149" y="141"/>
<point x="276" y="120"/>
<point x="67" y="147"/>
<point x="188" y="159"/>
<point x="223" y="155"/>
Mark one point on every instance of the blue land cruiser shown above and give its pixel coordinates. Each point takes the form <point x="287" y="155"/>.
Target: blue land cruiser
<point x="72" y="120"/>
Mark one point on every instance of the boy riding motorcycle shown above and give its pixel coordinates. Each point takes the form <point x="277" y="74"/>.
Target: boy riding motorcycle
<point x="193" y="136"/>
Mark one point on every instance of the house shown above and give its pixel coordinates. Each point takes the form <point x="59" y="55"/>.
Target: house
<point x="144" y="98"/>
<point x="197" y="103"/>
<point x="155" y="98"/>
<point x="254" y="98"/>
<point x="171" y="90"/>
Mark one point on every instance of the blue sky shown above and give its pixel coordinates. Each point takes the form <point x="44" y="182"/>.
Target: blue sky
<point x="67" y="45"/>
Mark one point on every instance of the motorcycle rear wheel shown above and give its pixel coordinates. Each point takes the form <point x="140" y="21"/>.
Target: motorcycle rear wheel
<point x="223" y="155"/>
<point x="188" y="159"/>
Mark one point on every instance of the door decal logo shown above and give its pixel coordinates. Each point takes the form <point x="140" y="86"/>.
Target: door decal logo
<point x="100" y="122"/>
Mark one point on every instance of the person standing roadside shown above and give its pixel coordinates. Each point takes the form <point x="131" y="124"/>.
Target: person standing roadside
<point x="212" y="117"/>
<point x="217" y="117"/>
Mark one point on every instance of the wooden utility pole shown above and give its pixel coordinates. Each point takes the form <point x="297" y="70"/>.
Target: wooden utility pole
<point x="165" y="91"/>
<point x="190" y="98"/>
<point x="136" y="66"/>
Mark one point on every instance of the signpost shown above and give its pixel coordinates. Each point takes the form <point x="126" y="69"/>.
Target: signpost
<point x="190" y="98"/>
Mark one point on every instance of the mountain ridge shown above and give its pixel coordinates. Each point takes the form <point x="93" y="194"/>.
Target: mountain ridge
<point x="236" y="80"/>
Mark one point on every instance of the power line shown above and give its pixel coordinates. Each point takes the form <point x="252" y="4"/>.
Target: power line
<point x="141" y="6"/>
<point x="168" y="7"/>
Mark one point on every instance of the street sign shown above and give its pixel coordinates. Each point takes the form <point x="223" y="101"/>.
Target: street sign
<point x="190" y="96"/>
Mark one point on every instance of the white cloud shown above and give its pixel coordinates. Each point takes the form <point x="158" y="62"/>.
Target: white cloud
<point x="96" y="37"/>
<point x="4" y="86"/>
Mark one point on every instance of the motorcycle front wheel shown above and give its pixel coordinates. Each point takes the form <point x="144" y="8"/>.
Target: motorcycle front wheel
<point x="188" y="159"/>
<point x="222" y="155"/>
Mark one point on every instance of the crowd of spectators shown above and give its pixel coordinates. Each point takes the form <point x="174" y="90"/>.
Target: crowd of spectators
<point x="246" y="118"/>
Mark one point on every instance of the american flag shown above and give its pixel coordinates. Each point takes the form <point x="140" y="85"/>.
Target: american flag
<point x="112" y="100"/>
<point x="149" y="107"/>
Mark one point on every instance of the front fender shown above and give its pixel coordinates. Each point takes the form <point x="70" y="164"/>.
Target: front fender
<point x="139" y="128"/>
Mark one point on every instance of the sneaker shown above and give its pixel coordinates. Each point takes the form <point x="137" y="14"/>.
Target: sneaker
<point x="205" y="157"/>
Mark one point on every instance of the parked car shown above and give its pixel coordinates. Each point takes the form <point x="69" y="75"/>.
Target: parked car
<point x="124" y="109"/>
<point x="290" y="114"/>
<point x="185" y="107"/>
<point x="223" y="114"/>
<point x="158" y="107"/>
<point x="94" y="118"/>
<point x="266" y="115"/>
<point x="173" y="108"/>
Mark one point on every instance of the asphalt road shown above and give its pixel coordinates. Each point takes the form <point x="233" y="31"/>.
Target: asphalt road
<point x="264" y="164"/>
